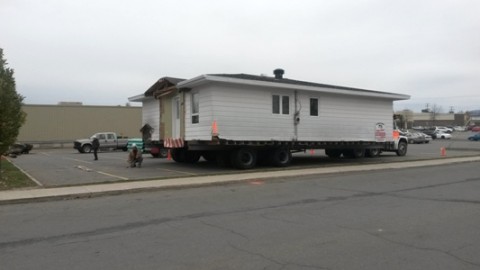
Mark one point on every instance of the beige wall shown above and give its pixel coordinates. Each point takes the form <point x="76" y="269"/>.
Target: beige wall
<point x="49" y="123"/>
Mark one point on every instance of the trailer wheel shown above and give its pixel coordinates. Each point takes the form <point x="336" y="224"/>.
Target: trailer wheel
<point x="333" y="153"/>
<point x="86" y="148"/>
<point x="281" y="157"/>
<point x="244" y="158"/>
<point x="372" y="152"/>
<point x="402" y="149"/>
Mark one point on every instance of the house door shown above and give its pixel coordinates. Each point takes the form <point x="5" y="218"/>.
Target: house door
<point x="176" y="117"/>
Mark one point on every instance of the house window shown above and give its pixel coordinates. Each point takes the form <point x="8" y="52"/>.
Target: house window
<point x="280" y="104"/>
<point x="314" y="106"/>
<point x="195" y="108"/>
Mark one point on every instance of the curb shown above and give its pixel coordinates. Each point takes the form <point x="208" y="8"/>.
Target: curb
<point x="87" y="191"/>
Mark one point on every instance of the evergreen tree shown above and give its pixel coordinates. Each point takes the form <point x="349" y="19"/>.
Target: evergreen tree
<point x="11" y="115"/>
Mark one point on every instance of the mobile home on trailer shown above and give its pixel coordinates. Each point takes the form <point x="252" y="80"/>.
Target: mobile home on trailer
<point x="241" y="119"/>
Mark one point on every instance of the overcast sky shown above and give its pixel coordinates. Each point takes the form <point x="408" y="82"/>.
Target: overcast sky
<point x="102" y="52"/>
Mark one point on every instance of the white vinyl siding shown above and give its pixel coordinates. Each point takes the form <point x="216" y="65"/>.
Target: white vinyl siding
<point x="245" y="113"/>
<point x="344" y="118"/>
<point x="151" y="116"/>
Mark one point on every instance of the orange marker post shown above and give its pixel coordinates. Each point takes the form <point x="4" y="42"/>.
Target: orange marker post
<point x="214" y="128"/>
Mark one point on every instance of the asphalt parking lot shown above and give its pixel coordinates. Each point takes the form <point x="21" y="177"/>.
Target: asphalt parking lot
<point x="67" y="167"/>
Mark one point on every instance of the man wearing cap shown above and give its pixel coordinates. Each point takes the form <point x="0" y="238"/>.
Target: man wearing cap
<point x="135" y="157"/>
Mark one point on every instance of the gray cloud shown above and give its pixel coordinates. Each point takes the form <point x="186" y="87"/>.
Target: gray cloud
<point x="102" y="52"/>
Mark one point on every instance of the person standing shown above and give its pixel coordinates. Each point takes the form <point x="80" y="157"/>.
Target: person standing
<point x="95" y="146"/>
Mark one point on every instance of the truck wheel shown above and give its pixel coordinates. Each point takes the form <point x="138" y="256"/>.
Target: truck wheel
<point x="358" y="152"/>
<point x="281" y="157"/>
<point x="354" y="153"/>
<point x="178" y="155"/>
<point x="86" y="148"/>
<point x="223" y="158"/>
<point x="402" y="149"/>
<point x="209" y="156"/>
<point x="192" y="156"/>
<point x="333" y="153"/>
<point x="373" y="152"/>
<point x="163" y="153"/>
<point x="244" y="158"/>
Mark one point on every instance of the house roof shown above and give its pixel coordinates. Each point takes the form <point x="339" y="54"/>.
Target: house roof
<point x="265" y="81"/>
<point x="161" y="84"/>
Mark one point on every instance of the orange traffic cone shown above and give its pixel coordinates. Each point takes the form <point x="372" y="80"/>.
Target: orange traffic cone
<point x="214" y="128"/>
<point x="443" y="151"/>
<point x="169" y="155"/>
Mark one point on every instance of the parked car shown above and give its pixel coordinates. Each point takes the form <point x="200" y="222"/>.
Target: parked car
<point x="416" y="137"/>
<point x="428" y="138"/>
<point x="475" y="128"/>
<point x="475" y="137"/>
<point x="443" y="135"/>
<point x="19" y="148"/>
<point x="430" y="133"/>
<point x="108" y="140"/>
<point x="459" y="128"/>
<point x="444" y="129"/>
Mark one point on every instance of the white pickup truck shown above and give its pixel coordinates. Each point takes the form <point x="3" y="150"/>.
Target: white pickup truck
<point x="108" y="140"/>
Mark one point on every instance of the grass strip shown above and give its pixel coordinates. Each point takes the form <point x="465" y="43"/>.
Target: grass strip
<point x="11" y="177"/>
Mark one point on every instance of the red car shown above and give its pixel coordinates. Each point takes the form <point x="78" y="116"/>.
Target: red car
<point x="476" y="128"/>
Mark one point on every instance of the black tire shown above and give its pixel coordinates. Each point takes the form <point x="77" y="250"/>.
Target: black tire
<point x="372" y="152"/>
<point x="244" y="158"/>
<point x="192" y="156"/>
<point x="354" y="153"/>
<point x="178" y="155"/>
<point x="358" y="153"/>
<point x="163" y="153"/>
<point x="209" y="156"/>
<point x="223" y="158"/>
<point x="86" y="148"/>
<point x="333" y="153"/>
<point x="280" y="157"/>
<point x="402" y="149"/>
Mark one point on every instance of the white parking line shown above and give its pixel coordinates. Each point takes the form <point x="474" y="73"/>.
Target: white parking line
<point x="112" y="175"/>
<point x="78" y="160"/>
<point x="178" y="172"/>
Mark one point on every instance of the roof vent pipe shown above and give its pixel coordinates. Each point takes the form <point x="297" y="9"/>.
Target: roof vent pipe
<point x="278" y="73"/>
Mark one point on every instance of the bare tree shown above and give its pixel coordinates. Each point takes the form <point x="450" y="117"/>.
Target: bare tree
<point x="434" y="112"/>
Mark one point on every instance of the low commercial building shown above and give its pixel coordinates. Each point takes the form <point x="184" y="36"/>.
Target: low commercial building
<point x="60" y="125"/>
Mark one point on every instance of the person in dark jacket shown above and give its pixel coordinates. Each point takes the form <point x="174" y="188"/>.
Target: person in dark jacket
<point x="95" y="146"/>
